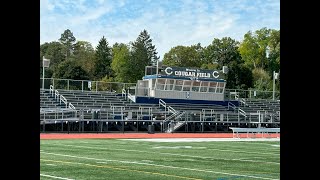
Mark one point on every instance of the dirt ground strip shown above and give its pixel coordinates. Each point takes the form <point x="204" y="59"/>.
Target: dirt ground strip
<point x="146" y="135"/>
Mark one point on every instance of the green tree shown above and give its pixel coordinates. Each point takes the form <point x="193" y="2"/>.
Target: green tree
<point x="120" y="62"/>
<point x="53" y="51"/>
<point x="262" y="80"/>
<point x="239" y="76"/>
<point x="84" y="55"/>
<point x="70" y="70"/>
<point x="225" y="52"/>
<point x="222" y="51"/>
<point x="43" y="50"/>
<point x="103" y="58"/>
<point x="68" y="40"/>
<point x="143" y="53"/>
<point x="183" y="56"/>
<point x="253" y="49"/>
<point x="274" y="52"/>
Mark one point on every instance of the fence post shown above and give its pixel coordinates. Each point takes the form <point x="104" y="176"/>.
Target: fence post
<point x="82" y="85"/>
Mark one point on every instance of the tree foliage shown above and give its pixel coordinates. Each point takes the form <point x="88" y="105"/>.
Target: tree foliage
<point x="274" y="52"/>
<point x="251" y="62"/>
<point x="182" y="56"/>
<point x="70" y="70"/>
<point x="239" y="76"/>
<point x="142" y="54"/>
<point x="253" y="49"/>
<point x="68" y="40"/>
<point x="84" y="56"/>
<point x="262" y="80"/>
<point x="222" y="51"/>
<point x="103" y="59"/>
<point x="53" y="51"/>
<point x="120" y="62"/>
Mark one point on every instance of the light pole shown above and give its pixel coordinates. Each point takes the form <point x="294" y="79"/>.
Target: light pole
<point x="45" y="63"/>
<point x="275" y="76"/>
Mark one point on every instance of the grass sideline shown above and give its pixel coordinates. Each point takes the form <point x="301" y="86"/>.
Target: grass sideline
<point x="119" y="159"/>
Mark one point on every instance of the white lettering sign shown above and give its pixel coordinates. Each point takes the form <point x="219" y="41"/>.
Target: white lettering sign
<point x="168" y="70"/>
<point x="196" y="73"/>
<point x="215" y="72"/>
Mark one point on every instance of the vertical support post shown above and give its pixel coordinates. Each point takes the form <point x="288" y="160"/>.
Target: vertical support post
<point x="82" y="86"/>
<point x="44" y="126"/>
<point x="42" y="75"/>
<point x="157" y="70"/>
<point x="274" y="80"/>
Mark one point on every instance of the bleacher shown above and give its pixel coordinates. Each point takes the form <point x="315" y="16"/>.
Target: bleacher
<point x="47" y="101"/>
<point x="112" y="107"/>
<point x="254" y="105"/>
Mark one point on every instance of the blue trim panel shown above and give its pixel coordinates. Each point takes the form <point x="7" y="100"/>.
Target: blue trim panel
<point x="151" y="100"/>
<point x="183" y="78"/>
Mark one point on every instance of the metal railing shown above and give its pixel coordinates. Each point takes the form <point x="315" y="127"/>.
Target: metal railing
<point x="87" y="85"/>
<point x="231" y="105"/>
<point x="124" y="94"/>
<point x="131" y="97"/>
<point x="64" y="100"/>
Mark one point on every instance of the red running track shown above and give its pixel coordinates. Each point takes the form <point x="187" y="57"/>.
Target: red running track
<point x="144" y="135"/>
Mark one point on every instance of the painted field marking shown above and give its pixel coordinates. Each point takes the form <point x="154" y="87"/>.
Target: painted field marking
<point x="55" y="177"/>
<point x="177" y="147"/>
<point x="118" y="168"/>
<point x="158" y="165"/>
<point x="214" y="149"/>
<point x="186" y="140"/>
<point x="51" y="165"/>
<point x="172" y="154"/>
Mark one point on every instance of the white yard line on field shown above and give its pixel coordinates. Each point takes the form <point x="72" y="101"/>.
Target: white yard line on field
<point x="174" y="154"/>
<point x="55" y="177"/>
<point x="158" y="165"/>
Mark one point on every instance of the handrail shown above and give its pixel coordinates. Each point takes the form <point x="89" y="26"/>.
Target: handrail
<point x="56" y="94"/>
<point x="243" y="101"/>
<point x="230" y="104"/>
<point x="161" y="102"/>
<point x="171" y="116"/>
<point x="131" y="97"/>
<point x="63" y="99"/>
<point x="71" y="106"/>
<point x="51" y="90"/>
<point x="171" y="109"/>
<point x="123" y="93"/>
<point x="179" y="115"/>
<point x="242" y="112"/>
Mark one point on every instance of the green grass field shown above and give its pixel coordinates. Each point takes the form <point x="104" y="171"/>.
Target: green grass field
<point x="125" y="159"/>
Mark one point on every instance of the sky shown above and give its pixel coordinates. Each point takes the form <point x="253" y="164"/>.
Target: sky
<point x="169" y="22"/>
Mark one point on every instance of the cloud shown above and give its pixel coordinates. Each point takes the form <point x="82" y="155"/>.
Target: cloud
<point x="170" y="23"/>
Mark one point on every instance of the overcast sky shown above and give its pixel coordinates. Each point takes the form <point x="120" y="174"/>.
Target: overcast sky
<point x="169" y="22"/>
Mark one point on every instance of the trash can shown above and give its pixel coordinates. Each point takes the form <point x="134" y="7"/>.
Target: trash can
<point x="151" y="129"/>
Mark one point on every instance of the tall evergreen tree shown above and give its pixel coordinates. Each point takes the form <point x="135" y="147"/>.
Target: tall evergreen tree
<point x="103" y="59"/>
<point x="143" y="53"/>
<point x="68" y="40"/>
